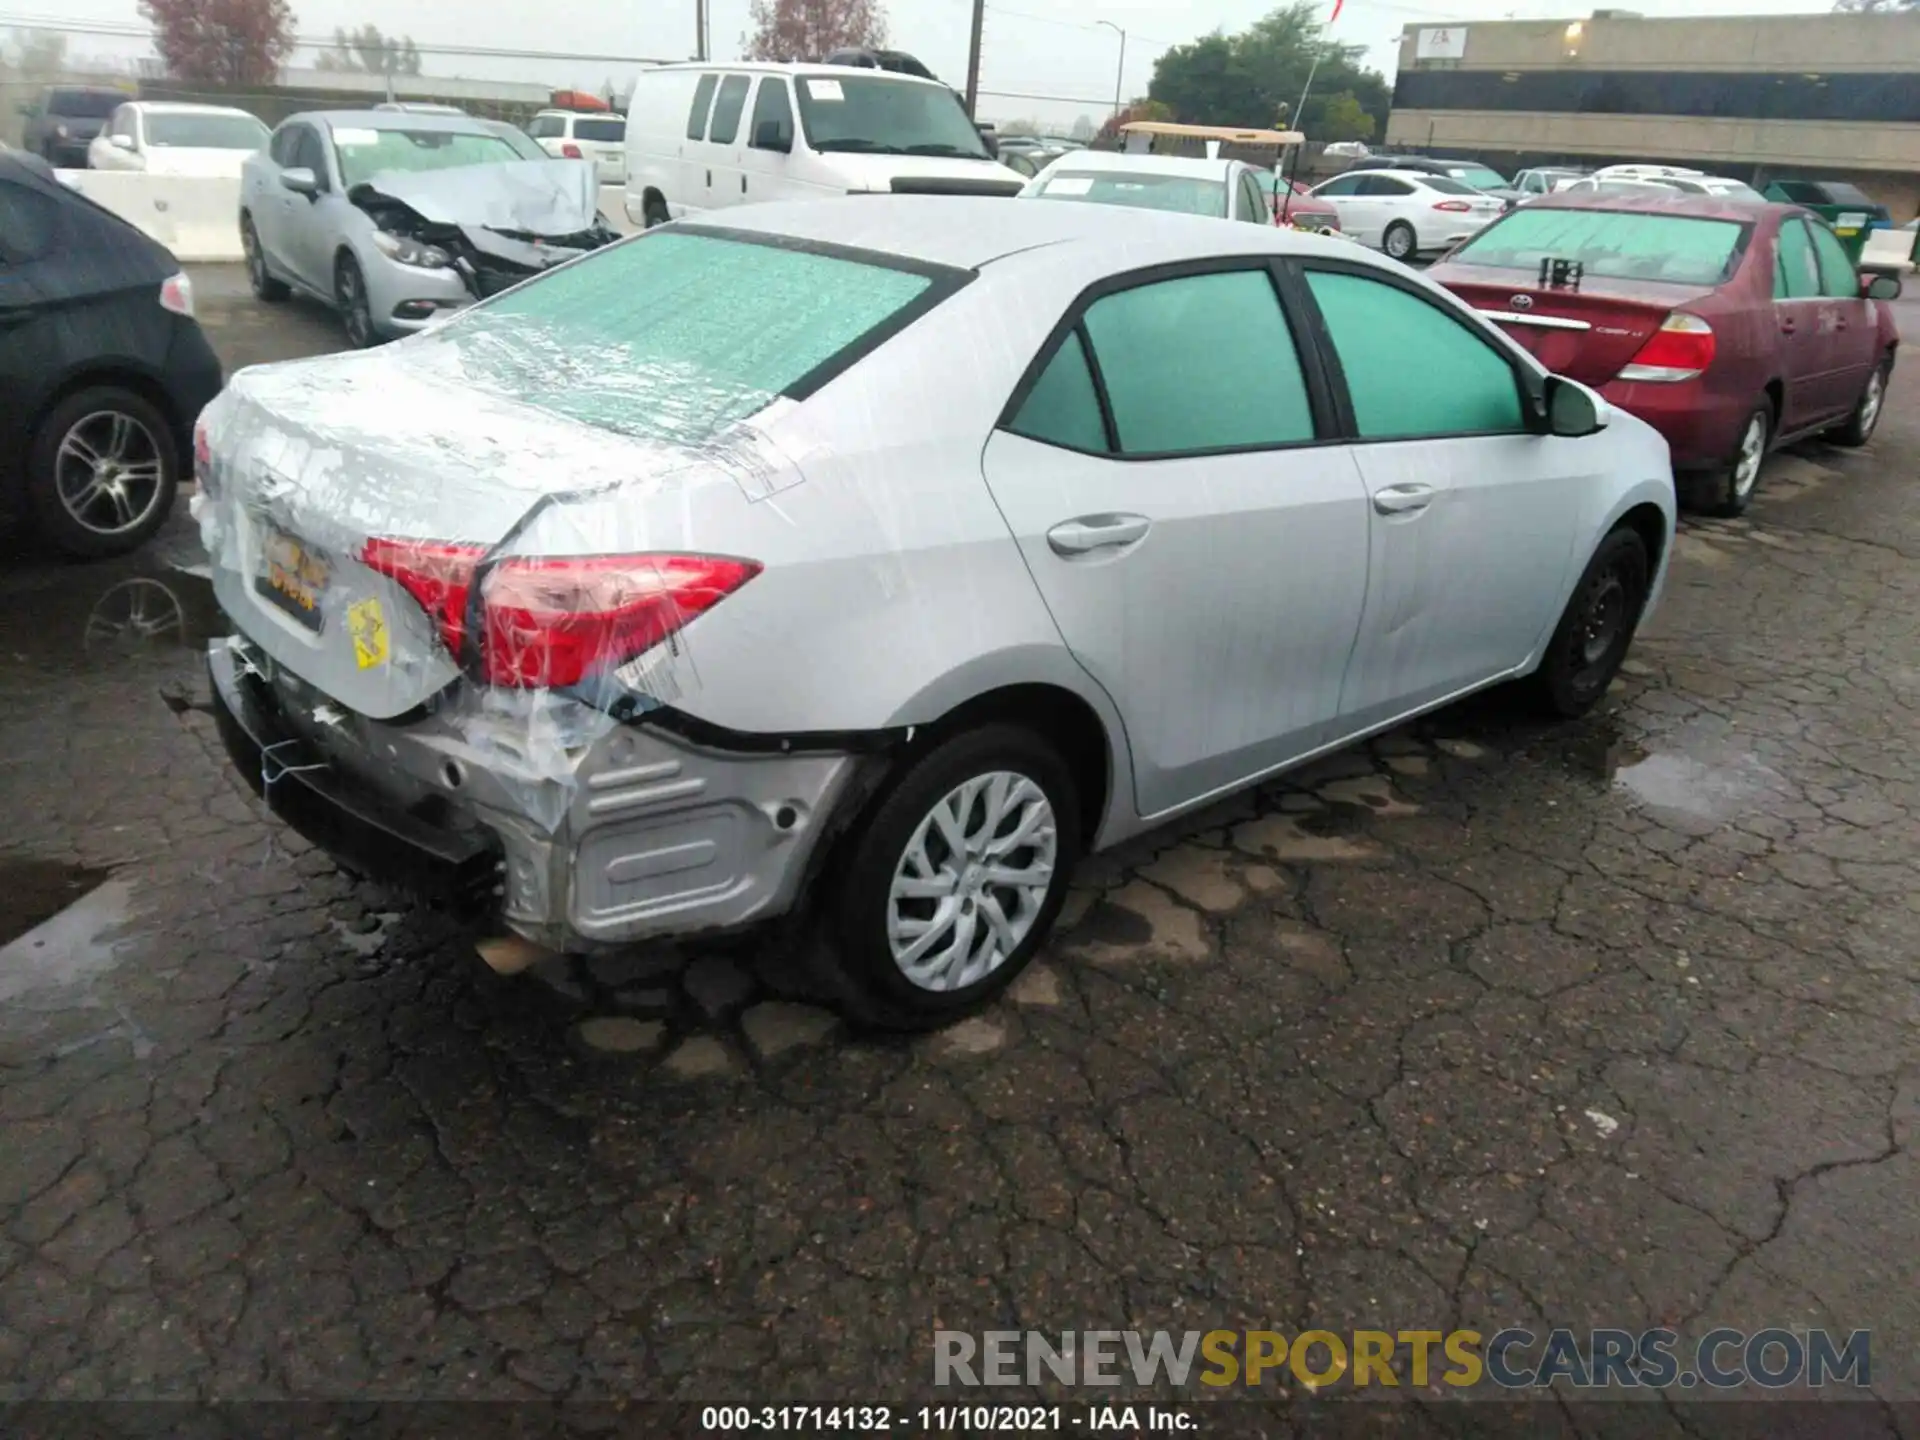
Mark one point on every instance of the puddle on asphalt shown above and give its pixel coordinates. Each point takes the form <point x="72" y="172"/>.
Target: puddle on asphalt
<point x="73" y="943"/>
<point x="92" y="617"/>
<point x="1704" y="790"/>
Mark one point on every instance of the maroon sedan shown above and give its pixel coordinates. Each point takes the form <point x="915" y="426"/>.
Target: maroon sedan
<point x="1730" y="327"/>
<point x="1303" y="210"/>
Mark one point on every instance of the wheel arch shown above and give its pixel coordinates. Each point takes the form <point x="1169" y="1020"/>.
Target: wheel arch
<point x="127" y="374"/>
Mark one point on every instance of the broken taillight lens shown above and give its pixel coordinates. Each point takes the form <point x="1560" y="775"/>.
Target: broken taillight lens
<point x="553" y="621"/>
<point x="176" y="294"/>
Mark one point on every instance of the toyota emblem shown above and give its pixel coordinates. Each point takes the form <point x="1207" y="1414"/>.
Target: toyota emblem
<point x="1521" y="302"/>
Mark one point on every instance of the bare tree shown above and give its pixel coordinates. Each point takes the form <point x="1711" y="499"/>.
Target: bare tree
<point x="367" y="51"/>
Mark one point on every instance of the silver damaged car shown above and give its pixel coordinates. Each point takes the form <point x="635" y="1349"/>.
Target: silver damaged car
<point x="397" y="219"/>
<point x="870" y="564"/>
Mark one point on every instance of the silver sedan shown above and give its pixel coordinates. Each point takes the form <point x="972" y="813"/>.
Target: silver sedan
<point x="396" y="219"/>
<point x="874" y="562"/>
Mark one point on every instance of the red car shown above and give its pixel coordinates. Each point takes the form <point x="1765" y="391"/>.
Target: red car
<point x="1732" y="328"/>
<point x="1303" y="209"/>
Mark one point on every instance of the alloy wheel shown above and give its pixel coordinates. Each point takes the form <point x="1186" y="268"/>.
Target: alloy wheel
<point x="1753" y="450"/>
<point x="256" y="262"/>
<point x="1871" y="401"/>
<point x="353" y="305"/>
<point x="973" y="879"/>
<point x="108" y="472"/>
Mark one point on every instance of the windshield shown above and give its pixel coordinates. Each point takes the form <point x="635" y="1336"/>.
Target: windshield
<point x="85" y="104"/>
<point x="1677" y="249"/>
<point x="1184" y="194"/>
<point x="524" y="147"/>
<point x="1479" y="177"/>
<point x="366" y="151"/>
<point x="876" y="114"/>
<point x="205" y="132"/>
<point x="675" y="337"/>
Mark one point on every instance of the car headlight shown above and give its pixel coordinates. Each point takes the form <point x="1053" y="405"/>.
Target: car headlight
<point x="407" y="251"/>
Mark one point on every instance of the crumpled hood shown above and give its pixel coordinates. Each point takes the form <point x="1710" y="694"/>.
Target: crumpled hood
<point x="553" y="197"/>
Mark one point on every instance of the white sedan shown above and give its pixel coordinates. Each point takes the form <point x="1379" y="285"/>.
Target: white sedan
<point x="1187" y="185"/>
<point x="166" y="139"/>
<point x="1407" y="212"/>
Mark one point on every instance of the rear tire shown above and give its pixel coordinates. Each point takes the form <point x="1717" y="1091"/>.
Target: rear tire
<point x="102" y="469"/>
<point x="1729" y="490"/>
<point x="1399" y="241"/>
<point x="653" y="211"/>
<point x="350" y="295"/>
<point x="1595" y="630"/>
<point x="920" y="930"/>
<point x="265" y="287"/>
<point x="1859" y="426"/>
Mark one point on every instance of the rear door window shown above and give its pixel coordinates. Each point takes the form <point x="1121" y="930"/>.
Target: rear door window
<point x="1199" y="363"/>
<point x="1063" y="408"/>
<point x="1412" y="369"/>
<point x="1384" y="185"/>
<point x="702" y="102"/>
<point x="1839" y="278"/>
<point x="600" y="130"/>
<point x="1796" y="276"/>
<point x="547" y="127"/>
<point x="29" y="223"/>
<point x="727" y="109"/>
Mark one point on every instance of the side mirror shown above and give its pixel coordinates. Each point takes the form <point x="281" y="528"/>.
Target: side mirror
<point x="1574" y="411"/>
<point x="772" y="135"/>
<point x="301" y="181"/>
<point x="120" y="142"/>
<point x="1878" y="285"/>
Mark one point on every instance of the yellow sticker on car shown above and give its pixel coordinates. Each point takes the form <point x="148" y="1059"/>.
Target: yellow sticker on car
<point x="367" y="624"/>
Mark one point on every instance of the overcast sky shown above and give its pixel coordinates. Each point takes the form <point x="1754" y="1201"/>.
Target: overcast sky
<point x="1031" y="47"/>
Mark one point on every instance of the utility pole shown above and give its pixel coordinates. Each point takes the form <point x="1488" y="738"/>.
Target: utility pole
<point x="973" y="60"/>
<point x="699" y="29"/>
<point x="1120" y="75"/>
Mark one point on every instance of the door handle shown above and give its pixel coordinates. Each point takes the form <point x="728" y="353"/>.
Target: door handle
<point x="1097" y="532"/>
<point x="743" y="184"/>
<point x="1787" y="326"/>
<point x="1402" y="499"/>
<point x="709" y="179"/>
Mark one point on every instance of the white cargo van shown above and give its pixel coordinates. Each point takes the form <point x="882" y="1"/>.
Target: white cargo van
<point x="706" y="136"/>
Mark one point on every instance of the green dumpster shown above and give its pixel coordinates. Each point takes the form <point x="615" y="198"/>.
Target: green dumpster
<point x="1848" y="210"/>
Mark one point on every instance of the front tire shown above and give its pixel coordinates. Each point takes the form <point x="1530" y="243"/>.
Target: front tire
<point x="1596" y="628"/>
<point x="1859" y="426"/>
<point x="952" y="880"/>
<point x="1399" y="241"/>
<point x="265" y="287"/>
<point x="102" y="469"/>
<point x="356" y="310"/>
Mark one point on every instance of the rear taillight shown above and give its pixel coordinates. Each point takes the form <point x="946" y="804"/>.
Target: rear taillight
<point x="571" y="151"/>
<point x="554" y="621"/>
<point x="1457" y="207"/>
<point x="176" y="294"/>
<point x="1679" y="350"/>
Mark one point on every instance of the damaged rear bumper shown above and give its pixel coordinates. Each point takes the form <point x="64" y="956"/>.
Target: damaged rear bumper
<point x="593" y="832"/>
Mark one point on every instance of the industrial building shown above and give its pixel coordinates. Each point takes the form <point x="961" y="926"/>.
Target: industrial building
<point x="1830" y="96"/>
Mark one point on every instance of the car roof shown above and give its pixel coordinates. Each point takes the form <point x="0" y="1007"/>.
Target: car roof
<point x="784" y="67"/>
<point x="1673" y="202"/>
<point x="1119" y="160"/>
<point x="375" y="119"/>
<point x="181" y="107"/>
<point x="1396" y="174"/>
<point x="971" y="231"/>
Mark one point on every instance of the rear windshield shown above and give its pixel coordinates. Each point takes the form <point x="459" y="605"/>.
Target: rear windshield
<point x="674" y="337"/>
<point x="608" y="129"/>
<point x="1447" y="186"/>
<point x="877" y="115"/>
<point x="205" y="132"/>
<point x="366" y="151"/>
<point x="85" y="104"/>
<point x="1611" y="243"/>
<point x="1184" y="194"/>
<point x="1480" y="177"/>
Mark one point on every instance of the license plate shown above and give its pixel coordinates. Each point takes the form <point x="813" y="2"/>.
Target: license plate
<point x="293" y="577"/>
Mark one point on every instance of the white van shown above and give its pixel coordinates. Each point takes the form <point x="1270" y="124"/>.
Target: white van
<point x="590" y="135"/>
<point x="705" y="136"/>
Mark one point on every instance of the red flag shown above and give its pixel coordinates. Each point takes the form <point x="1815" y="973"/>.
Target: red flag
<point x="1336" y="11"/>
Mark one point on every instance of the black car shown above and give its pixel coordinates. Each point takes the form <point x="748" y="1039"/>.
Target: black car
<point x="103" y="369"/>
<point x="66" y="118"/>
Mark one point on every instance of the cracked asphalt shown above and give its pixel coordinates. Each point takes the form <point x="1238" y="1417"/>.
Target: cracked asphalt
<point x="1485" y="1023"/>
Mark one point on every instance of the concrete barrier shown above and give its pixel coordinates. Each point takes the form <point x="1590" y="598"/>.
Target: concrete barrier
<point x="1888" y="250"/>
<point x="613" y="205"/>
<point x="197" y="217"/>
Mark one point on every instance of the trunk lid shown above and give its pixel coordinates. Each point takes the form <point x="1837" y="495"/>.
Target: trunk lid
<point x="306" y="462"/>
<point x="1586" y="334"/>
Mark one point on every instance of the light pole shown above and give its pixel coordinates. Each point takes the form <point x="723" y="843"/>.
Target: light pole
<point x="1120" y="75"/>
